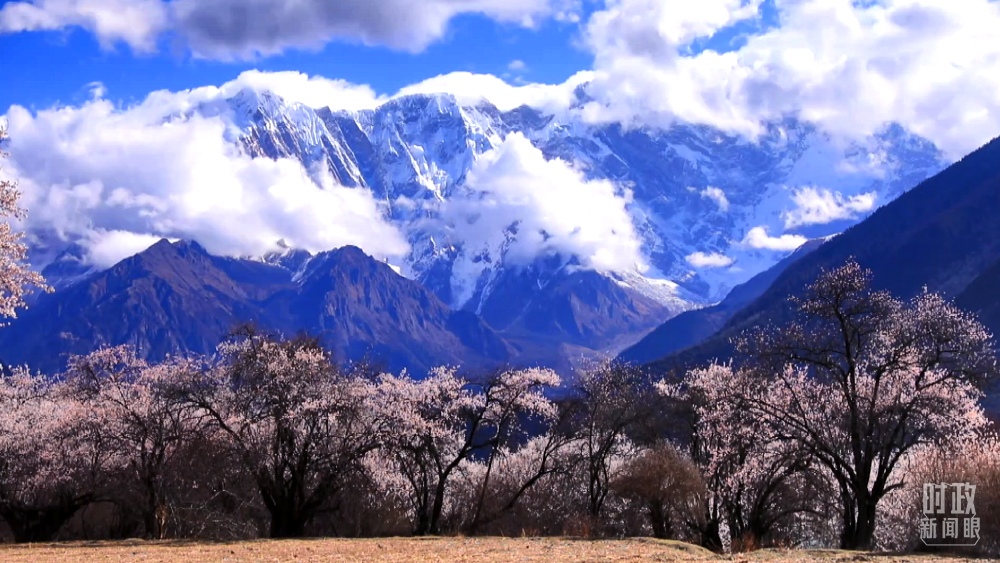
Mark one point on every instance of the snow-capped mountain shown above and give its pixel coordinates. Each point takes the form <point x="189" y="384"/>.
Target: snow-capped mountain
<point x="694" y="189"/>
<point x="565" y="239"/>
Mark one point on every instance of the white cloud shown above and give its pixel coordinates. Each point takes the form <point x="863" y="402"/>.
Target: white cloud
<point x="244" y="29"/>
<point x="658" y="28"/>
<point x="718" y="196"/>
<point x="556" y="208"/>
<point x="97" y="90"/>
<point x="706" y="260"/>
<point x="931" y="65"/>
<point x="313" y="91"/>
<point x="135" y="22"/>
<point x="470" y="89"/>
<point x="641" y="75"/>
<point x="816" y="206"/>
<point x="552" y="206"/>
<point x="115" y="179"/>
<point x="758" y="238"/>
<point x="517" y="65"/>
<point x="107" y="248"/>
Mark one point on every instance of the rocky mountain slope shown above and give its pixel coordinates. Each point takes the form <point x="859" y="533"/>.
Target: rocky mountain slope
<point x="943" y="235"/>
<point x="692" y="327"/>
<point x="415" y="152"/>
<point x="175" y="298"/>
<point x="689" y="191"/>
<point x="982" y="297"/>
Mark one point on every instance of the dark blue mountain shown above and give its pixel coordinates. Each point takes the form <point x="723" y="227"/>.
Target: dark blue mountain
<point x="177" y="298"/>
<point x="692" y="327"/>
<point x="944" y="235"/>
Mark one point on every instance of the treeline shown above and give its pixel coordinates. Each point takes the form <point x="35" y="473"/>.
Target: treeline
<point x="822" y="434"/>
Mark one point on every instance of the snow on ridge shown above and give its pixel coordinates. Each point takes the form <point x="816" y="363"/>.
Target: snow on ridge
<point x="422" y="146"/>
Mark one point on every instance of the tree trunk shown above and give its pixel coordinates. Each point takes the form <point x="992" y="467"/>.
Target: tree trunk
<point x="859" y="525"/>
<point x="287" y="523"/>
<point x="433" y="527"/>
<point x="288" y="517"/>
<point x="710" y="536"/>
<point x="659" y="519"/>
<point x="597" y="493"/>
<point x="149" y="523"/>
<point x="422" y="509"/>
<point x="423" y="522"/>
<point x="154" y="514"/>
<point x="474" y="525"/>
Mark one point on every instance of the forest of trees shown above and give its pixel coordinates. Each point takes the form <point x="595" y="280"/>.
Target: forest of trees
<point x="819" y="432"/>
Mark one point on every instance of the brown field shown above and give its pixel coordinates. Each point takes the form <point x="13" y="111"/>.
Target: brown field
<point x="398" y="550"/>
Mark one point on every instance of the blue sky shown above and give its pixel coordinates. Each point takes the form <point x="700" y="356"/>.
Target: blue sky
<point x="57" y="67"/>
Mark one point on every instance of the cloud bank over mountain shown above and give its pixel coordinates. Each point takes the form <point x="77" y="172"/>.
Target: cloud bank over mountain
<point x="518" y="205"/>
<point x="115" y="180"/>
<point x="118" y="180"/>
<point x="452" y="194"/>
<point x="932" y="66"/>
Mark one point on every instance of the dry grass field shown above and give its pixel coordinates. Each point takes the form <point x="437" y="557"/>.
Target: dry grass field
<point x="397" y="550"/>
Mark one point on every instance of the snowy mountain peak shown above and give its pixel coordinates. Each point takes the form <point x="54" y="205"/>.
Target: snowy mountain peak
<point x="252" y="100"/>
<point x="710" y="209"/>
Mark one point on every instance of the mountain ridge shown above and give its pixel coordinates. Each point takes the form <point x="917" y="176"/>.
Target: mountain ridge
<point x="419" y="148"/>
<point x="692" y="327"/>
<point x="175" y="298"/>
<point x="942" y="235"/>
<point x="414" y="154"/>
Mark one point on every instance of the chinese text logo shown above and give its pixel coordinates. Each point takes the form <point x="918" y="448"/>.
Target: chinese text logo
<point x="949" y="515"/>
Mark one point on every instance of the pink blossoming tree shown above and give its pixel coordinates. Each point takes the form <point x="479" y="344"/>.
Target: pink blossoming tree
<point x="441" y="421"/>
<point x="296" y="423"/>
<point x="859" y="380"/>
<point x="16" y="278"/>
<point x="142" y="424"/>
